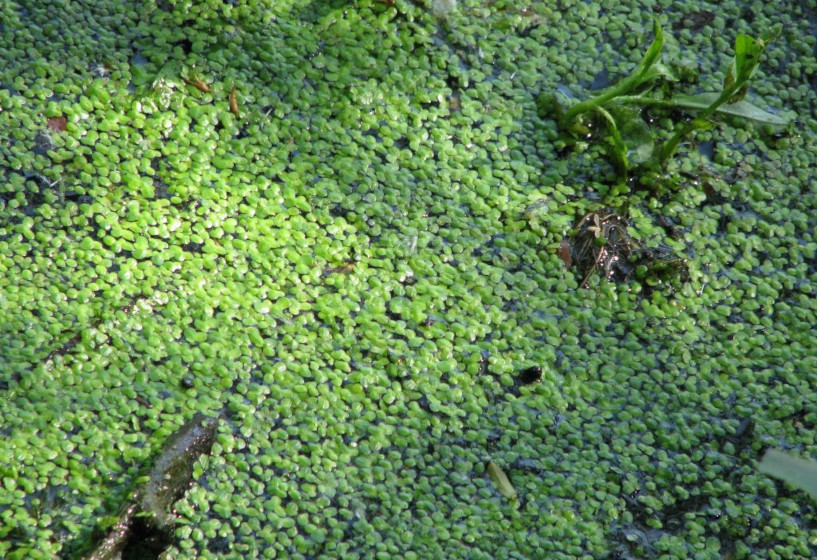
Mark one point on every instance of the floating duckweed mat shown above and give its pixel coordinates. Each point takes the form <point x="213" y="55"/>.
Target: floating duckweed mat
<point x="312" y="219"/>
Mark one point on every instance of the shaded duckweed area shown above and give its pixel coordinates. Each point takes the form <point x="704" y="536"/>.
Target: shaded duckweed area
<point x="336" y="228"/>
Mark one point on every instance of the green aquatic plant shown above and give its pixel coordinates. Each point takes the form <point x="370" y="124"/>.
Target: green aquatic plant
<point x="800" y="473"/>
<point x="616" y="110"/>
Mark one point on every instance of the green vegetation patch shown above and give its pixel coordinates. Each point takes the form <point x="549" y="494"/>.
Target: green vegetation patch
<point x="337" y="227"/>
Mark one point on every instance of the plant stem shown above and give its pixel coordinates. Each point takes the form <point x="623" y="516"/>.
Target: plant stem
<point x="621" y="89"/>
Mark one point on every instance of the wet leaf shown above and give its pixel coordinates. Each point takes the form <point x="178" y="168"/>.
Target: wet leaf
<point x="798" y="472"/>
<point x="742" y="109"/>
<point x="145" y="521"/>
<point x="501" y="481"/>
<point x="635" y="133"/>
<point x="653" y="54"/>
<point x="618" y="148"/>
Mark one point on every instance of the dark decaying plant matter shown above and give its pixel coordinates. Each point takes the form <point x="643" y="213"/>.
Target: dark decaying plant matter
<point x="600" y="243"/>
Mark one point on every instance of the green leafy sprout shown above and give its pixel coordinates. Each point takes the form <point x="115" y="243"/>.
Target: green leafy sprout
<point x="617" y="109"/>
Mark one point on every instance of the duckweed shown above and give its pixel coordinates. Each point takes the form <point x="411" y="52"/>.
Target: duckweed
<point x="356" y="268"/>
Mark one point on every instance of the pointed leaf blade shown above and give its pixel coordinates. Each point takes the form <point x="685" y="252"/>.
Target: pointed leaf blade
<point x="742" y="109"/>
<point x="798" y="472"/>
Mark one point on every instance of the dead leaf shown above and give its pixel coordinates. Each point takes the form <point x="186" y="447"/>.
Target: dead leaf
<point x="563" y="252"/>
<point x="233" y="102"/>
<point x="197" y="83"/>
<point x="56" y="123"/>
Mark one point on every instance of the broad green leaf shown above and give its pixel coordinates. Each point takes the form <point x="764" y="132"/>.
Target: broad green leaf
<point x="742" y="109"/>
<point x="798" y="472"/>
<point x="747" y="58"/>
<point x="618" y="148"/>
<point x="660" y="70"/>
<point x="635" y="134"/>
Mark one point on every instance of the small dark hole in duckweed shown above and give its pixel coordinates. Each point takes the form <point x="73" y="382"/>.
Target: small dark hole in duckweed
<point x="530" y="375"/>
<point x="695" y="21"/>
<point x="338" y="211"/>
<point x="745" y="431"/>
<point x="601" y="80"/>
<point x="184" y="44"/>
<point x="219" y="545"/>
<point x="707" y="149"/>
<point x="145" y="541"/>
<point x="192" y="247"/>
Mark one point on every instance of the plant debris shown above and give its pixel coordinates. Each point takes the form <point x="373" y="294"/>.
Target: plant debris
<point x="56" y="123"/>
<point x="197" y="83"/>
<point x="233" y="99"/>
<point x="501" y="481"/>
<point x="600" y="243"/>
<point x="145" y="523"/>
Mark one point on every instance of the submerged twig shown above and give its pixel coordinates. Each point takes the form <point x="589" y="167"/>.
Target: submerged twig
<point x="145" y="521"/>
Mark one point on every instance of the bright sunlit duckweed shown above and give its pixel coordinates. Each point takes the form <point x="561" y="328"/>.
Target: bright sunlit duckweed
<point x="337" y="231"/>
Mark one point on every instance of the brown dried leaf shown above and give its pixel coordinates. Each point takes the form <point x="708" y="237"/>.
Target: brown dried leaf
<point x="197" y="83"/>
<point x="233" y="102"/>
<point x="563" y="252"/>
<point x="56" y="123"/>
